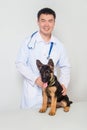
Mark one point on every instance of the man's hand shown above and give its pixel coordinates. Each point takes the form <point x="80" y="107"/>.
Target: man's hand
<point x="64" y="91"/>
<point x="39" y="82"/>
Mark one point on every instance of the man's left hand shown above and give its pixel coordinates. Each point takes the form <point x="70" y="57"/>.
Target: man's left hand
<point x="64" y="91"/>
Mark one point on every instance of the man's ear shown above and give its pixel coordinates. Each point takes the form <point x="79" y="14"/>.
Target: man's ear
<point x="51" y="64"/>
<point x="39" y="64"/>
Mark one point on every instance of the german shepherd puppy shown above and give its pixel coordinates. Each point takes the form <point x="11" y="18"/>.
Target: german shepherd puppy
<point x="52" y="90"/>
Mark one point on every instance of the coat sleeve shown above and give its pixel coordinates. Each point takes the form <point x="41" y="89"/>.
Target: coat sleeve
<point x="64" y="66"/>
<point x="21" y="64"/>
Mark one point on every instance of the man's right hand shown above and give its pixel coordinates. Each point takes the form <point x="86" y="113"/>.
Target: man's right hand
<point x="39" y="82"/>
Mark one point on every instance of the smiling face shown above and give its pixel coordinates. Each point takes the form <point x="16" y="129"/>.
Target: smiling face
<point x="46" y="24"/>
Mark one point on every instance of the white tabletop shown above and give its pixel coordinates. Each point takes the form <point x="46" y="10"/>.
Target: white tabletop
<point x="75" y="119"/>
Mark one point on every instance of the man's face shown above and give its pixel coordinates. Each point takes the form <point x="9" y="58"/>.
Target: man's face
<point x="46" y="24"/>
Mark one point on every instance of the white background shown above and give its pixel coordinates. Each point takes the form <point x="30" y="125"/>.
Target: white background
<point x="18" y="19"/>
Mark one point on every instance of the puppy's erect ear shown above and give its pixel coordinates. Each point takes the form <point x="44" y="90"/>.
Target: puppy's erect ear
<point x="51" y="64"/>
<point x="39" y="64"/>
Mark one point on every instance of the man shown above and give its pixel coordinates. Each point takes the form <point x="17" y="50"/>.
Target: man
<point x="41" y="45"/>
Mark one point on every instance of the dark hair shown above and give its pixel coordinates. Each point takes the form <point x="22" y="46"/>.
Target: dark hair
<point x="46" y="11"/>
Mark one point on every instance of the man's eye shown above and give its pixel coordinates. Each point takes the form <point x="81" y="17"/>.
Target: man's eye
<point x="42" y="20"/>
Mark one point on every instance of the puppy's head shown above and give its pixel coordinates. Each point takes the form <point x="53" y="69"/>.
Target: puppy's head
<point x="46" y="70"/>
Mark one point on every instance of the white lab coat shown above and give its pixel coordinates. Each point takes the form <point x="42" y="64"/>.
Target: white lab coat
<point x="35" y="48"/>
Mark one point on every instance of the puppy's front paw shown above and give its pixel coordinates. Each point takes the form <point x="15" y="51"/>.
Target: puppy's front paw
<point x="52" y="113"/>
<point x="42" y="110"/>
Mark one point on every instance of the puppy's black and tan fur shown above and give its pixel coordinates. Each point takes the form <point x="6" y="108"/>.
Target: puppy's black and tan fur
<point x="52" y="93"/>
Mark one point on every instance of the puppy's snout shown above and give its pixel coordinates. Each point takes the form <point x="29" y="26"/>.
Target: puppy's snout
<point x="44" y="79"/>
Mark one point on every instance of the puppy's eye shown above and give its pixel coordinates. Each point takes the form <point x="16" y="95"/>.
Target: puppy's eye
<point x="48" y="71"/>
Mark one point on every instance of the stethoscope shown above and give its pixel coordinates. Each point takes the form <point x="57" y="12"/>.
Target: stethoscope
<point x="31" y="38"/>
<point x="30" y="47"/>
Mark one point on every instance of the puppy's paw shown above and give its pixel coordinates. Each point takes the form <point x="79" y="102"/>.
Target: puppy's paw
<point x="42" y="110"/>
<point x="52" y="113"/>
<point x="66" y="109"/>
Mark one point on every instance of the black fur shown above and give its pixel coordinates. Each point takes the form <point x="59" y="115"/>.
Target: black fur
<point x="58" y="92"/>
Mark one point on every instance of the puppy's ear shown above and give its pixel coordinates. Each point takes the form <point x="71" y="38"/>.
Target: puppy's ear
<point x="51" y="64"/>
<point x="39" y="64"/>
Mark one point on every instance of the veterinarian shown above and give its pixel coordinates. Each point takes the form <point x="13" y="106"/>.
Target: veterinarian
<point x="41" y="45"/>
